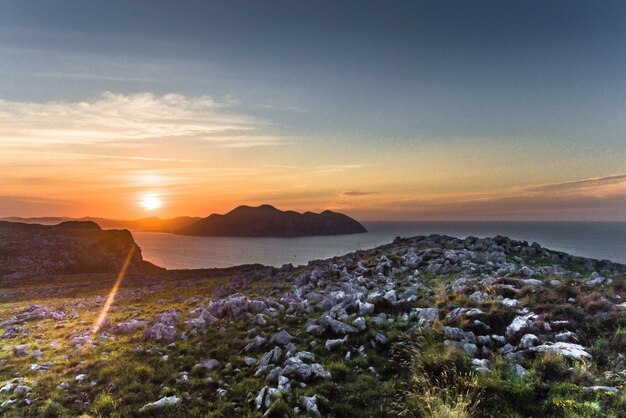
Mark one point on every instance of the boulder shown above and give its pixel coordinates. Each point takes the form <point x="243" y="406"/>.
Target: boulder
<point x="129" y="327"/>
<point x="528" y="341"/>
<point x="335" y="343"/>
<point x="271" y="357"/>
<point x="163" y="402"/>
<point x="310" y="405"/>
<point x="281" y="338"/>
<point x="568" y="350"/>
<point x="337" y="327"/>
<point x="520" y="323"/>
<point x="210" y="364"/>
<point x="256" y="343"/>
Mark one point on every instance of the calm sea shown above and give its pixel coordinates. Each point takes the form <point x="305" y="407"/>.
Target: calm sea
<point x="603" y="240"/>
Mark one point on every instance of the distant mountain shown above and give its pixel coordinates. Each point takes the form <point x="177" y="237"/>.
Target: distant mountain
<point x="153" y="224"/>
<point x="71" y="247"/>
<point x="267" y="221"/>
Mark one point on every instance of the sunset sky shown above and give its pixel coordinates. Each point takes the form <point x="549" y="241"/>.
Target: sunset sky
<point x="457" y="110"/>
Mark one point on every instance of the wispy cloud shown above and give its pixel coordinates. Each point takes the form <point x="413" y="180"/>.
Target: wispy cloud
<point x="136" y="117"/>
<point x="334" y="168"/>
<point x="283" y="166"/>
<point x="135" y="158"/>
<point x="356" y="193"/>
<point x="85" y="76"/>
<point x="579" y="184"/>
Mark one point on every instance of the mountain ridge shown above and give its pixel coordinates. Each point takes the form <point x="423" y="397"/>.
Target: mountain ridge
<point x="149" y="224"/>
<point x="268" y="221"/>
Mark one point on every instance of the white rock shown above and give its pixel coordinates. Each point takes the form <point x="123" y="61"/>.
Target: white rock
<point x="520" y="323"/>
<point x="163" y="402"/>
<point x="210" y="364"/>
<point x="509" y="303"/>
<point x="528" y="341"/>
<point x="568" y="350"/>
<point x="310" y="405"/>
<point x="333" y="344"/>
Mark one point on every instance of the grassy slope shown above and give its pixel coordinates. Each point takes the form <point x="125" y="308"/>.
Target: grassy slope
<point x="416" y="375"/>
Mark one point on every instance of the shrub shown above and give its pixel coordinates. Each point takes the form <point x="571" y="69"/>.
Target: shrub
<point x="440" y="385"/>
<point x="104" y="404"/>
<point x="551" y="367"/>
<point x="52" y="409"/>
<point x="618" y="342"/>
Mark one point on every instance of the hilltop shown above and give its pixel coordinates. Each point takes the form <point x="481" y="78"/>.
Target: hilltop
<point x="151" y="224"/>
<point x="28" y="250"/>
<point x="424" y="326"/>
<point x="267" y="221"/>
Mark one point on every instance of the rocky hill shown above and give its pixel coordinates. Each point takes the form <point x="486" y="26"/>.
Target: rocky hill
<point x="430" y="326"/>
<point x="152" y="224"/>
<point x="267" y="221"/>
<point x="71" y="247"/>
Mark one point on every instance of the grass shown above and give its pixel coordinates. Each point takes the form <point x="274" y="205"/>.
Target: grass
<point x="412" y="375"/>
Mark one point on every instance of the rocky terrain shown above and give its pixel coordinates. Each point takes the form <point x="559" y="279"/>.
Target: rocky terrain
<point x="71" y="247"/>
<point x="425" y="326"/>
<point x="267" y="221"/>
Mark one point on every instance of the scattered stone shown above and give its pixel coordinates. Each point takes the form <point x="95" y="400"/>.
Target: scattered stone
<point x="281" y="338"/>
<point x="607" y="389"/>
<point x="528" y="341"/>
<point x="310" y="405"/>
<point x="518" y="370"/>
<point x="569" y="350"/>
<point x="20" y="350"/>
<point x="333" y="344"/>
<point x="129" y="327"/>
<point x="480" y="366"/>
<point x="210" y="364"/>
<point x="161" y="403"/>
<point x="520" y="324"/>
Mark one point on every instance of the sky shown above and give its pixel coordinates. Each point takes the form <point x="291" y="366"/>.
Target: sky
<point x="430" y="110"/>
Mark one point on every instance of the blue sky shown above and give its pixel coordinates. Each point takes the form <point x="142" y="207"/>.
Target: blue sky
<point x="497" y="96"/>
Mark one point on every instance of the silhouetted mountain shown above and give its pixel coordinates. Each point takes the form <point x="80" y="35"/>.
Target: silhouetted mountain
<point x="70" y="247"/>
<point x="267" y="221"/>
<point x="153" y="223"/>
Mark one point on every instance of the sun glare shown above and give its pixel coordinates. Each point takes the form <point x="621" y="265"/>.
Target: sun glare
<point x="151" y="202"/>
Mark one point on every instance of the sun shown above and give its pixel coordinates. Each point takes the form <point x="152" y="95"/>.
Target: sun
<point x="151" y="202"/>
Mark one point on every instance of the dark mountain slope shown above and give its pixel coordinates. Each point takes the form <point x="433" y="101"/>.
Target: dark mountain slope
<point x="153" y="223"/>
<point x="267" y="221"/>
<point x="70" y="247"/>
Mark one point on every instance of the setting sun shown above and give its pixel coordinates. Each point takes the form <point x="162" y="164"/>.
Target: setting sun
<point x="150" y="202"/>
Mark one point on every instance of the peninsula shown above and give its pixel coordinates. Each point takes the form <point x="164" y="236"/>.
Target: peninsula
<point x="267" y="221"/>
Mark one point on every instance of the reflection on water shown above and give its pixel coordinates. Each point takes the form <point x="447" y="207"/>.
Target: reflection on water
<point x="589" y="239"/>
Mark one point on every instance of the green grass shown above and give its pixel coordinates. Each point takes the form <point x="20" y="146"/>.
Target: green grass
<point x="414" y="374"/>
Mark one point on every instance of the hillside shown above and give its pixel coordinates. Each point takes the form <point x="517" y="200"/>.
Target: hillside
<point x="267" y="221"/>
<point x="71" y="247"/>
<point x="421" y="327"/>
<point x="152" y="224"/>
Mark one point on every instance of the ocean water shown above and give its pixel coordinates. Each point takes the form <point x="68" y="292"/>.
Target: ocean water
<point x="602" y="240"/>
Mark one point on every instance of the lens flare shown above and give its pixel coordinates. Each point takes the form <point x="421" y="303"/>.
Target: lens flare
<point x="107" y="304"/>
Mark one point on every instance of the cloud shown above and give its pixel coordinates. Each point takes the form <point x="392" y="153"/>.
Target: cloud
<point x="31" y="205"/>
<point x="85" y="76"/>
<point x="579" y="184"/>
<point x="334" y="168"/>
<point x="282" y="166"/>
<point x="358" y="193"/>
<point x="128" y="118"/>
<point x="138" y="158"/>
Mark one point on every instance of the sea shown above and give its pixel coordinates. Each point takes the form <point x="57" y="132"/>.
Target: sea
<point x="601" y="240"/>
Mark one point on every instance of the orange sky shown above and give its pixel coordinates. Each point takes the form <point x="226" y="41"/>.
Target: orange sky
<point x="196" y="156"/>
